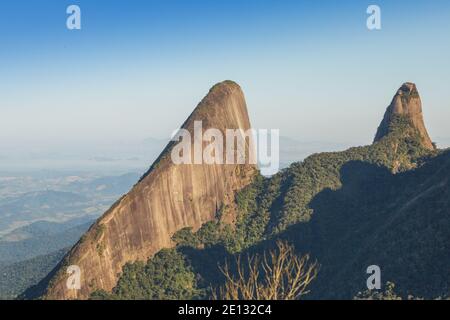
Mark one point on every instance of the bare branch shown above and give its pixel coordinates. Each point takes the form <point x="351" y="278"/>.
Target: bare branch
<point x="279" y="275"/>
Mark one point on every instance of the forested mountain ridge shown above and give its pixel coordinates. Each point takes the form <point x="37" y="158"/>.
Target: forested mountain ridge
<point x="385" y="204"/>
<point x="18" y="276"/>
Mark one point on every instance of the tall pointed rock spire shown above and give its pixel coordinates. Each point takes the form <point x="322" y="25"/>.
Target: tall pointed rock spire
<point x="406" y="103"/>
<point x="168" y="197"/>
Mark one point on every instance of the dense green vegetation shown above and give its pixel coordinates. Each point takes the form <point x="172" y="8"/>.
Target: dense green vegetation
<point x="175" y="273"/>
<point x="388" y="293"/>
<point x="385" y="204"/>
<point x="166" y="276"/>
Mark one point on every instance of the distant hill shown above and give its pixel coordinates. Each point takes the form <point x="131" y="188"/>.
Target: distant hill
<point x="44" y="228"/>
<point x="40" y="205"/>
<point x="293" y="150"/>
<point x="70" y="199"/>
<point x="40" y="199"/>
<point x="106" y="186"/>
<point x="43" y="238"/>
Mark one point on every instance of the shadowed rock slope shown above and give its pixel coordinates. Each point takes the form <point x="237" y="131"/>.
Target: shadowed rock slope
<point x="167" y="198"/>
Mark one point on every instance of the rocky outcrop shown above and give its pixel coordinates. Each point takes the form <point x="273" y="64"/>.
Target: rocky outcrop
<point x="168" y="198"/>
<point x="406" y="103"/>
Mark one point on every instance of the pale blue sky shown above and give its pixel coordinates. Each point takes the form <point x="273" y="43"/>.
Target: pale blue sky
<point x="138" y="68"/>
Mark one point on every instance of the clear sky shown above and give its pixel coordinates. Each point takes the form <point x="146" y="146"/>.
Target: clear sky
<point x="136" y="69"/>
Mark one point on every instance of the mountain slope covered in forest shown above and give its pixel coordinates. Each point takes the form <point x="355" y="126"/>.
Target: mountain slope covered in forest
<point x="386" y="204"/>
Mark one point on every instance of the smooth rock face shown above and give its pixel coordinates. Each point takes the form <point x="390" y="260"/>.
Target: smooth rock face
<point x="168" y="198"/>
<point x="406" y="103"/>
